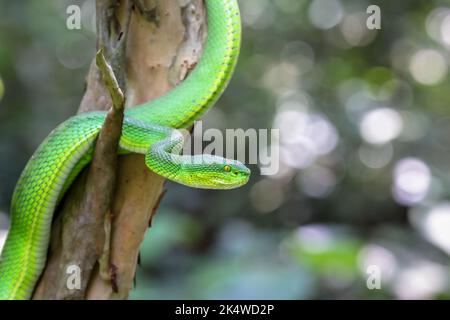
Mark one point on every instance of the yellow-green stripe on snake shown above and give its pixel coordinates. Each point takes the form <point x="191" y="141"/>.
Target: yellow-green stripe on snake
<point x="149" y="129"/>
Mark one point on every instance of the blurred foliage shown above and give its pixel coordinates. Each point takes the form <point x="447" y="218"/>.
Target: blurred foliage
<point x="364" y="175"/>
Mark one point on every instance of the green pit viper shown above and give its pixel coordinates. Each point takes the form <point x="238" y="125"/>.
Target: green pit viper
<point x="150" y="129"/>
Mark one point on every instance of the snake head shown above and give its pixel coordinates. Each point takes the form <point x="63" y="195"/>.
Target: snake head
<point x="213" y="172"/>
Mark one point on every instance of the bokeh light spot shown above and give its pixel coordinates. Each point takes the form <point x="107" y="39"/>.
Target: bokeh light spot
<point x="428" y="67"/>
<point x="2" y="88"/>
<point x="376" y="255"/>
<point x="266" y="196"/>
<point x="304" y="136"/>
<point x="420" y="281"/>
<point x="317" y="182"/>
<point x="434" y="224"/>
<point x="354" y="30"/>
<point x="412" y="179"/>
<point x="325" y="14"/>
<point x="381" y="125"/>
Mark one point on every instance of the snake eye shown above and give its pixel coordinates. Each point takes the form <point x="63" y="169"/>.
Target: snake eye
<point x="227" y="168"/>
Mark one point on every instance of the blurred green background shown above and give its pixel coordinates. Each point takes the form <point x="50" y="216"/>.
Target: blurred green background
<point x="364" y="118"/>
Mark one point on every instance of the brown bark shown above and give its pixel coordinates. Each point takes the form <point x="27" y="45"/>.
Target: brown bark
<point x="164" y="42"/>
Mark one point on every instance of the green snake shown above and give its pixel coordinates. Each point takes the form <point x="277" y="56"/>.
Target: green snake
<point x="150" y="129"/>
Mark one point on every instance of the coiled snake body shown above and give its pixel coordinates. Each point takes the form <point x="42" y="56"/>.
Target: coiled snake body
<point x="149" y="129"/>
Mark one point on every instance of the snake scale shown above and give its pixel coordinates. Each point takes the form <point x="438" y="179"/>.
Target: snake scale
<point x="150" y="129"/>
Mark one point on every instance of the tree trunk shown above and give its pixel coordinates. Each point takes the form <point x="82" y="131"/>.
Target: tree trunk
<point x="162" y="44"/>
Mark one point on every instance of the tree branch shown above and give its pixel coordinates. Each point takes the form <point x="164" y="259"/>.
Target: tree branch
<point x="152" y="68"/>
<point x="111" y="83"/>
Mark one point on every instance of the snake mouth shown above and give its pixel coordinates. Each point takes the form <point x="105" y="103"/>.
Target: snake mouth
<point x="243" y="176"/>
<point x="226" y="184"/>
<point x="245" y="180"/>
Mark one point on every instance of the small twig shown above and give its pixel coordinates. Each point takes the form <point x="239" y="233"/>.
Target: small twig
<point x="110" y="81"/>
<point x="110" y="136"/>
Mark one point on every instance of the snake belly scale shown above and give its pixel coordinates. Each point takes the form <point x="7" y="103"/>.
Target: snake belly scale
<point x="150" y="129"/>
